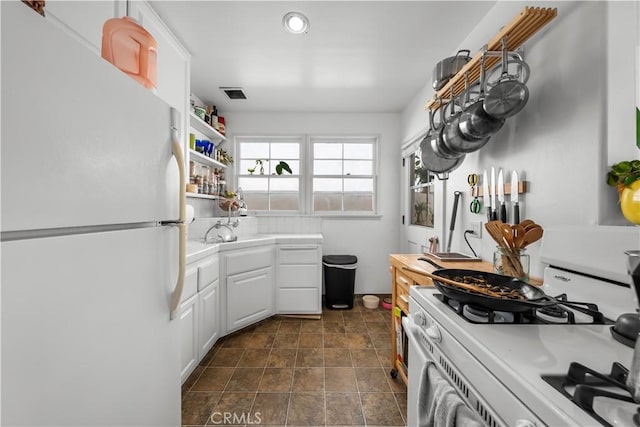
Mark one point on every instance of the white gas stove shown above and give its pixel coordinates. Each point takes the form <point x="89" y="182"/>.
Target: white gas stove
<point x="497" y="368"/>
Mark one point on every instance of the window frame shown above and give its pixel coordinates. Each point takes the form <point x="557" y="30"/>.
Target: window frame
<point x="306" y="176"/>
<point x="344" y="139"/>
<point x="238" y="173"/>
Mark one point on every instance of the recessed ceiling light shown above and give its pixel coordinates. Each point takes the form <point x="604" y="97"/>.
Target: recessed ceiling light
<point x="296" y="23"/>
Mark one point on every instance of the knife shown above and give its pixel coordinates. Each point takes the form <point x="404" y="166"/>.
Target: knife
<point x="494" y="214"/>
<point x="485" y="192"/>
<point x="503" y="208"/>
<point x="514" y="197"/>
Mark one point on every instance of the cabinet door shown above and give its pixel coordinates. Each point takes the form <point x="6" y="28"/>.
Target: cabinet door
<point x="83" y="19"/>
<point x="210" y="315"/>
<point x="173" y="59"/>
<point x="188" y="337"/>
<point x="249" y="298"/>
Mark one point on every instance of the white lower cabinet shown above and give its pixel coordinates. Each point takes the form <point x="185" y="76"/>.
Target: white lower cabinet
<point x="249" y="286"/>
<point x="188" y="337"/>
<point x="299" y="279"/>
<point x="209" y="315"/>
<point x="199" y="313"/>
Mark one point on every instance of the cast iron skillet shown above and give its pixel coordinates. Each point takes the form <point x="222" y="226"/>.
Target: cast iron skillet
<point x="534" y="296"/>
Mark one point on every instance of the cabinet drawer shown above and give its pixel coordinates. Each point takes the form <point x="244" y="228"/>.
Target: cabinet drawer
<point x="298" y="255"/>
<point x="298" y="301"/>
<point x="402" y="295"/>
<point x="190" y="283"/>
<point x="208" y="272"/>
<point x="298" y="276"/>
<point x="248" y="260"/>
<point x="401" y="279"/>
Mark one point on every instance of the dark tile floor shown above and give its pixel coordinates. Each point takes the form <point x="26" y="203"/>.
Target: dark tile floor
<point x="286" y="371"/>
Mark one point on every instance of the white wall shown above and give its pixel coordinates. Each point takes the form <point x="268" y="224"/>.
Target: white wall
<point x="577" y="120"/>
<point x="371" y="240"/>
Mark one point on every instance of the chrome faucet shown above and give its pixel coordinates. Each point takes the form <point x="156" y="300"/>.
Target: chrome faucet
<point x="242" y="209"/>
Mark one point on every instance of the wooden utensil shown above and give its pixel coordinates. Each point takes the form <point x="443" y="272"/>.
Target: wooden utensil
<point x="531" y="236"/>
<point x="518" y="235"/>
<point x="465" y="286"/>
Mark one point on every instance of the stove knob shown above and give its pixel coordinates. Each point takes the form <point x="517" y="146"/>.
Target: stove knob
<point x="434" y="333"/>
<point x="419" y="319"/>
<point x="524" y="423"/>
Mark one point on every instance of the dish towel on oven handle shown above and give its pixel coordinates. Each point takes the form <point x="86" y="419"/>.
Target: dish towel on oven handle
<point x="440" y="405"/>
<point x="432" y="386"/>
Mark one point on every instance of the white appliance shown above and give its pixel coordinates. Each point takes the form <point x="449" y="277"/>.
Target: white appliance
<point x="498" y="369"/>
<point x="92" y="238"/>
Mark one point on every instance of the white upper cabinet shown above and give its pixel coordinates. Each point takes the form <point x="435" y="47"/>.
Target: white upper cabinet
<point x="83" y="18"/>
<point x="173" y="60"/>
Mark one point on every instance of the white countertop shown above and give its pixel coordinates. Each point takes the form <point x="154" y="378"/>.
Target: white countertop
<point x="197" y="249"/>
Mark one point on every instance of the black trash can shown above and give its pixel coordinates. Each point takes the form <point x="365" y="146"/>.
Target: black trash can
<point x="339" y="281"/>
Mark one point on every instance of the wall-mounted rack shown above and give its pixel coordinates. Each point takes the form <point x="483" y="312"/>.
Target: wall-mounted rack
<point x="516" y="32"/>
<point x="522" y="188"/>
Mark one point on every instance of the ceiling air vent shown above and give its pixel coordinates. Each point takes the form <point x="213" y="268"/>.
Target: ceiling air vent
<point x="234" y="92"/>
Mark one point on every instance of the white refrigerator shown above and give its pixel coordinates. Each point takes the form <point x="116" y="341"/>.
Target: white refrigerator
<point x="92" y="243"/>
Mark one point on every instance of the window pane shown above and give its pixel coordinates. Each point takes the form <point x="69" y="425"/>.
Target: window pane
<point x="284" y="202"/>
<point x="284" y="184"/>
<point x="258" y="202"/>
<point x="327" y="167"/>
<point x="327" y="184"/>
<point x="358" y="202"/>
<point x="358" y="185"/>
<point x="327" y="202"/>
<point x="270" y="167"/>
<point x="422" y="206"/>
<point x="284" y="151"/>
<point x="253" y="184"/>
<point x="327" y="151"/>
<point x="358" y="167"/>
<point x="358" y="151"/>
<point x="254" y="150"/>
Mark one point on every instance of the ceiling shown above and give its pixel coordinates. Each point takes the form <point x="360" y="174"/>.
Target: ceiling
<point x="358" y="56"/>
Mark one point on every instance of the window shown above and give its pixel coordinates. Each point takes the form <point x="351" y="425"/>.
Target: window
<point x="343" y="175"/>
<point x="421" y="189"/>
<point x="264" y="189"/>
<point x="331" y="175"/>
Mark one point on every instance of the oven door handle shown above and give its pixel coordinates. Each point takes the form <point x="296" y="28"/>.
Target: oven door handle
<point x="413" y="333"/>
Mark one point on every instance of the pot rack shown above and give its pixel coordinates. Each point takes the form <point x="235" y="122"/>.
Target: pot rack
<point x="519" y="30"/>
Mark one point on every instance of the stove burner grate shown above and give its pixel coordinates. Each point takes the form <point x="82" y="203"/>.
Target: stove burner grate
<point x="589" y="384"/>
<point x="561" y="314"/>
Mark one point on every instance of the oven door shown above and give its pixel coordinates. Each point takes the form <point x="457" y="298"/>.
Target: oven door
<point x="431" y="400"/>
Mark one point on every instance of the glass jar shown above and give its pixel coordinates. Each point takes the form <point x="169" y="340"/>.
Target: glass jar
<point x="511" y="262"/>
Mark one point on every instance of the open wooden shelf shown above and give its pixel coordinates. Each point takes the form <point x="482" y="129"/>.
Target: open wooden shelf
<point x="516" y="32"/>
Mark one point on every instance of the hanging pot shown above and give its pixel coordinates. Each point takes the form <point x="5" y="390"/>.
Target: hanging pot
<point x="449" y="67"/>
<point x="437" y="143"/>
<point x="453" y="137"/>
<point x="436" y="164"/>
<point x="509" y="96"/>
<point x="474" y="122"/>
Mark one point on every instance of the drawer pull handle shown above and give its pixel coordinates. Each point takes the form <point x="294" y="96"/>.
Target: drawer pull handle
<point x="404" y="298"/>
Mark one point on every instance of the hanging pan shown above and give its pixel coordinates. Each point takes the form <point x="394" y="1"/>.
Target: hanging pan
<point x="454" y="138"/>
<point x="509" y="96"/>
<point x="474" y="121"/>
<point x="440" y="166"/>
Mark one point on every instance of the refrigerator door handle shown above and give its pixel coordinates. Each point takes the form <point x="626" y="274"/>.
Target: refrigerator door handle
<point x="182" y="245"/>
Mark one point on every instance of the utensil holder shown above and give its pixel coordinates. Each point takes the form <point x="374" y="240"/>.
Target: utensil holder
<point x="511" y="262"/>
